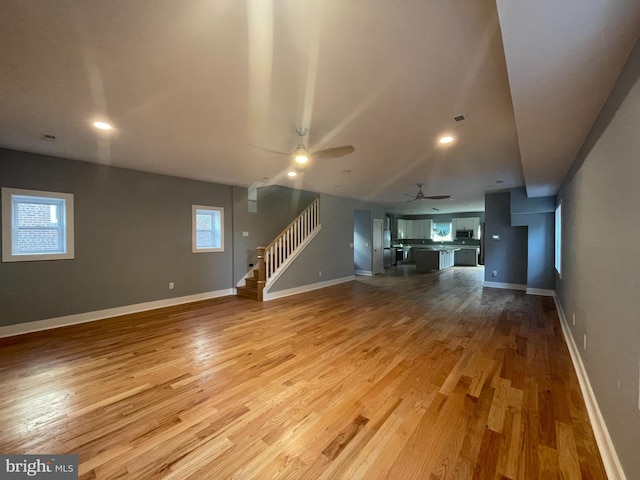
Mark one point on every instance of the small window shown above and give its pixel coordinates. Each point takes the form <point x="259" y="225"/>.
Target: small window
<point x="558" y="243"/>
<point x="36" y="225"/>
<point x="207" y="229"/>
<point x="442" y="232"/>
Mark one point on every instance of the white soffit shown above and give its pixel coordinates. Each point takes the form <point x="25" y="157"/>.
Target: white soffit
<point x="563" y="59"/>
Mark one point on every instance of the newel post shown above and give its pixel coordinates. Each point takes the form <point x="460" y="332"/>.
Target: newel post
<point x="262" y="271"/>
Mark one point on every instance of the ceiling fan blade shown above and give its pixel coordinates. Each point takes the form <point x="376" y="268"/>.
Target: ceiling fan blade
<point x="333" y="152"/>
<point x="270" y="151"/>
<point x="408" y="201"/>
<point x="438" y="197"/>
<point x="411" y="196"/>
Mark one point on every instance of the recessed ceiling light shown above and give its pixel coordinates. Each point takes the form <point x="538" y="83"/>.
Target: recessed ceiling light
<point x="291" y="173"/>
<point x="446" y="139"/>
<point x="102" y="125"/>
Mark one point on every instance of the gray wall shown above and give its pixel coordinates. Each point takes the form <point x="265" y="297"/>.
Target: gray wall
<point x="508" y="256"/>
<point x="362" y="241"/>
<point x="330" y="251"/>
<point x="132" y="237"/>
<point x="600" y="281"/>
<point x="537" y="214"/>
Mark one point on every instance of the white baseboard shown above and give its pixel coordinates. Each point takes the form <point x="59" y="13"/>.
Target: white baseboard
<point x="541" y="291"/>
<point x="306" y="288"/>
<point x="509" y="286"/>
<point x="367" y="273"/>
<point x="30" y="327"/>
<point x="607" y="451"/>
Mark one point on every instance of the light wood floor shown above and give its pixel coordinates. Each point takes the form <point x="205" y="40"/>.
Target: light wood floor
<point x="400" y="376"/>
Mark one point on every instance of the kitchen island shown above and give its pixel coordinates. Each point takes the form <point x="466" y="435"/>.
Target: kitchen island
<point x="467" y="256"/>
<point x="431" y="259"/>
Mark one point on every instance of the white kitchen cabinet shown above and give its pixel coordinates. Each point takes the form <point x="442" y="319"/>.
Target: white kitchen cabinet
<point x="402" y="228"/>
<point x="410" y="233"/>
<point x="415" y="229"/>
<point x="422" y="228"/>
<point x="446" y="259"/>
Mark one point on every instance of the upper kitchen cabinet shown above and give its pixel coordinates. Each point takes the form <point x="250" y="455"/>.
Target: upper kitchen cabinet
<point x="402" y="229"/>
<point x="422" y="228"/>
<point x="467" y="223"/>
<point x="409" y="233"/>
<point x="414" y="229"/>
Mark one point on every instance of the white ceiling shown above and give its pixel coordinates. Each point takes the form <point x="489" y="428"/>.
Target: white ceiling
<point x="190" y="86"/>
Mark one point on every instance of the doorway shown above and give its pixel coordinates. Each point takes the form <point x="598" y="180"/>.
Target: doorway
<point x="378" y="262"/>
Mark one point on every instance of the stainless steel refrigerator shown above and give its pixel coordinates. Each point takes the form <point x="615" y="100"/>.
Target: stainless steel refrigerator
<point x="388" y="255"/>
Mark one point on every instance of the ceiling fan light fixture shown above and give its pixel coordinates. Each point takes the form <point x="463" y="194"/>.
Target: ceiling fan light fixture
<point x="301" y="155"/>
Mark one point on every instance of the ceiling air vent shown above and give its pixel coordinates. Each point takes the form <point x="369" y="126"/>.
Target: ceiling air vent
<point x="48" y="137"/>
<point x="459" y="118"/>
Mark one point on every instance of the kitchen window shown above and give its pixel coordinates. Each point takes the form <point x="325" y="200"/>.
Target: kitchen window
<point x="442" y="232"/>
<point x="207" y="229"/>
<point x="36" y="225"/>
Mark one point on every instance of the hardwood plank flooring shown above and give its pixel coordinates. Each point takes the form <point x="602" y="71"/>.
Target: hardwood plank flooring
<point x="399" y="376"/>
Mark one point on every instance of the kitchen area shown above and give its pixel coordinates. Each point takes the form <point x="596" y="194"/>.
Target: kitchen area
<point x="435" y="242"/>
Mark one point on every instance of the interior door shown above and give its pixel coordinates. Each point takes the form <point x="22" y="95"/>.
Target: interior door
<point x="378" y="266"/>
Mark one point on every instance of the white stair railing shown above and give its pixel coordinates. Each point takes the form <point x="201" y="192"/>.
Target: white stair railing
<point x="275" y="256"/>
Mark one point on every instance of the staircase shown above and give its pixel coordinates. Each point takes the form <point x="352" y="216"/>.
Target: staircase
<point x="250" y="288"/>
<point x="276" y="257"/>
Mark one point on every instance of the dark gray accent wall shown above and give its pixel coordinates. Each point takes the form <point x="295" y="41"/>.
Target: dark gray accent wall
<point x="132" y="237"/>
<point x="330" y="252"/>
<point x="521" y="204"/>
<point x="507" y="256"/>
<point x="362" y="240"/>
<point x="538" y="215"/>
<point x="600" y="281"/>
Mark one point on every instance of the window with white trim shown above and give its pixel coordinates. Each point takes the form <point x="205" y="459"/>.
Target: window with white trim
<point x="442" y="232"/>
<point x="558" y="240"/>
<point x="36" y="225"/>
<point x="207" y="229"/>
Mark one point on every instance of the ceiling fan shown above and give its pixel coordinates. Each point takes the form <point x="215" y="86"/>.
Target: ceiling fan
<point x="421" y="196"/>
<point x="301" y="154"/>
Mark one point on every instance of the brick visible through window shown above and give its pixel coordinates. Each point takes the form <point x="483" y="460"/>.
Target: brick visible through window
<point x="36" y="225"/>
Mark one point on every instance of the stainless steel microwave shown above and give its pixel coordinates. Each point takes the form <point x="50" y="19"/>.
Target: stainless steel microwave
<point x="464" y="233"/>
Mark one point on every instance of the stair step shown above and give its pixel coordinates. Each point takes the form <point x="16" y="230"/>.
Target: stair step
<point x="251" y="283"/>
<point x="247" y="292"/>
<point x="256" y="274"/>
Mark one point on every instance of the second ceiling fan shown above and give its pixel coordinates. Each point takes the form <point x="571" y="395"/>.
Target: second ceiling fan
<point x="421" y="196"/>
